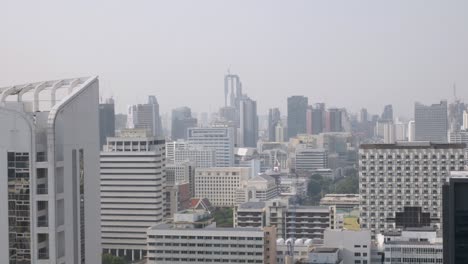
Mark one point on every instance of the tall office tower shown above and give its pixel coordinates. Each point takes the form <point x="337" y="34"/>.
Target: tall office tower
<point x="280" y="132"/>
<point x="297" y="109"/>
<point x="455" y="115"/>
<point x="310" y="160"/>
<point x="220" y="185"/>
<point x="431" y="122"/>
<point x="334" y="120"/>
<point x="181" y="120"/>
<point x="248" y="123"/>
<point x="106" y="121"/>
<point x="228" y="113"/>
<point x="232" y="98"/>
<point x="455" y="193"/>
<point x="465" y="120"/>
<point x="387" y="114"/>
<point x="363" y="116"/>
<point x="49" y="149"/>
<point x="314" y="120"/>
<point x="221" y="139"/>
<point x="274" y="116"/>
<point x="400" y="183"/>
<point x="389" y="132"/>
<point x="133" y="178"/>
<point x="401" y="131"/>
<point x="120" y="122"/>
<point x="172" y="147"/>
<point x="411" y="133"/>
<point x="145" y="116"/>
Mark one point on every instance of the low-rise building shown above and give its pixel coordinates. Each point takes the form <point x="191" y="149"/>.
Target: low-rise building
<point x="340" y="201"/>
<point x="261" y="187"/>
<point x="355" y="246"/>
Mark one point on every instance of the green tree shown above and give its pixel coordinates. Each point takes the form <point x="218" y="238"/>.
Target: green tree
<point x="110" y="259"/>
<point x="349" y="184"/>
<point x="313" y="188"/>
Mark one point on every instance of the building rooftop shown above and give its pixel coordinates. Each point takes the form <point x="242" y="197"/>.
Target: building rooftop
<point x="165" y="226"/>
<point x="252" y="205"/>
<point x="324" y="250"/>
<point x="43" y="96"/>
<point x="414" y="145"/>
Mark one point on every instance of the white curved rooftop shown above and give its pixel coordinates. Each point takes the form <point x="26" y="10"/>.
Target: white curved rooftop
<point x="43" y="95"/>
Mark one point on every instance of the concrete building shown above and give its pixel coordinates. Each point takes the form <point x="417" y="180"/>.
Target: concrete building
<point x="106" y="121"/>
<point x="297" y="108"/>
<point x="49" y="152"/>
<point x="411" y="131"/>
<point x="302" y="248"/>
<point x="431" y="122"/>
<point x="455" y="235"/>
<point x="315" y="120"/>
<point x="202" y="157"/>
<point x="323" y="255"/>
<point x="180" y="172"/>
<point x="274" y="117"/>
<point x="341" y="201"/>
<point x="310" y="160"/>
<point x="400" y="184"/>
<point x="261" y="188"/>
<point x="355" y="246"/>
<point x="307" y="222"/>
<point x="411" y="246"/>
<point x="146" y="116"/>
<point x="133" y="182"/>
<point x="333" y="120"/>
<point x="220" y="185"/>
<point x="182" y="120"/>
<point x="389" y="132"/>
<point x="172" y="146"/>
<point x="465" y="120"/>
<point x="193" y="242"/>
<point x="280" y="132"/>
<point x="248" y="123"/>
<point x="460" y="137"/>
<point x="221" y="139"/>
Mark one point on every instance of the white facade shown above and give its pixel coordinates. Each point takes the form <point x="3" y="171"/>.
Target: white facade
<point x="49" y="148"/>
<point x="132" y="191"/>
<point x="220" y="185"/>
<point x="202" y="157"/>
<point x="308" y="159"/>
<point x="465" y="120"/>
<point x="415" y="246"/>
<point x="398" y="178"/>
<point x="172" y="147"/>
<point x="221" y="139"/>
<point x="168" y="244"/>
<point x="411" y="129"/>
<point x="389" y="132"/>
<point x="260" y="188"/>
<point x="355" y="246"/>
<point x="460" y="137"/>
<point x="179" y="172"/>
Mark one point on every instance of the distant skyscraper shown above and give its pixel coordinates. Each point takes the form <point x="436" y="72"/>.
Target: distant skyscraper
<point x="248" y="123"/>
<point x="120" y="121"/>
<point x="363" y="116"/>
<point x="231" y="97"/>
<point x="181" y="120"/>
<point x="106" y="121"/>
<point x="274" y="116"/>
<point x="297" y="108"/>
<point x="455" y="115"/>
<point x="315" y="120"/>
<point x="334" y="120"/>
<point x="145" y="116"/>
<point x="455" y="195"/>
<point x="431" y="122"/>
<point x="280" y="132"/>
<point x="133" y="179"/>
<point x="411" y="128"/>
<point x="221" y="139"/>
<point x="49" y="162"/>
<point x="387" y="114"/>
<point x="465" y="120"/>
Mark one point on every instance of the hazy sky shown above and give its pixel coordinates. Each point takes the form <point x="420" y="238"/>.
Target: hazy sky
<point x="346" y="53"/>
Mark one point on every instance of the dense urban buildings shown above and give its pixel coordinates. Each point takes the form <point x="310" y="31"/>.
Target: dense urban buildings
<point x="297" y="109"/>
<point x="49" y="156"/>
<point x="401" y="183"/>
<point x="455" y="193"/>
<point x="431" y="122"/>
<point x="133" y="181"/>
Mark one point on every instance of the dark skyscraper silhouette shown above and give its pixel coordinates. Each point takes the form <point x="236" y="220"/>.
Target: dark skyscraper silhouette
<point x="181" y="120"/>
<point x="274" y="116"/>
<point x="297" y="108"/>
<point x="387" y="114"/>
<point x="106" y="121"/>
<point x="455" y="216"/>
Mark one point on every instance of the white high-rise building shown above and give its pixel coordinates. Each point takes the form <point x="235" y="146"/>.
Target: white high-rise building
<point x="401" y="184"/>
<point x="132" y="191"/>
<point x="389" y="133"/>
<point x="146" y="116"/>
<point x="49" y="156"/>
<point x="221" y="139"/>
<point x="220" y="185"/>
<point x="465" y="120"/>
<point x="411" y="128"/>
<point x="172" y="146"/>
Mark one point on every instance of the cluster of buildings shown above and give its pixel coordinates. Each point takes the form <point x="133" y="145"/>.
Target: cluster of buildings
<point x="81" y="181"/>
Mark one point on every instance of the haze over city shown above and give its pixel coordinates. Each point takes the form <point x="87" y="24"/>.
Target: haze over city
<point x="345" y="53"/>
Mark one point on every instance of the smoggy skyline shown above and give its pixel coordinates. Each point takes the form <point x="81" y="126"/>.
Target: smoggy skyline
<point x="349" y="54"/>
